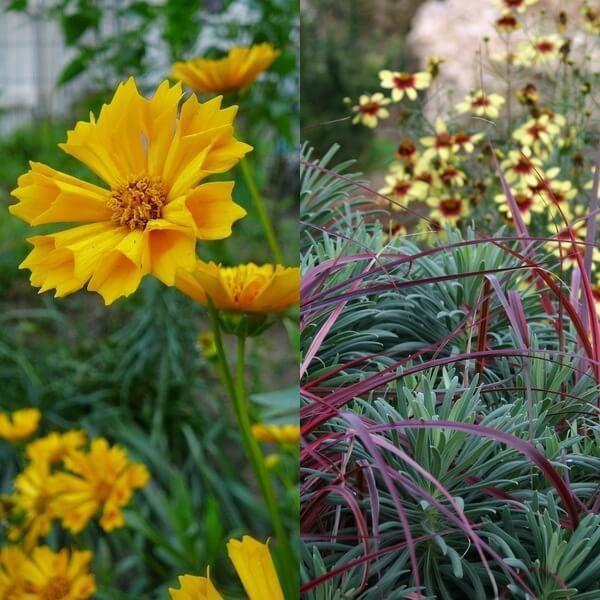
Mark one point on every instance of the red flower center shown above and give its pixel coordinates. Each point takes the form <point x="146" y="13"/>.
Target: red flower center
<point x="481" y="101"/>
<point x="402" y="188"/>
<point x="462" y="138"/>
<point x="369" y="108"/>
<point x="450" y="207"/>
<point x="404" y="80"/>
<point x="513" y="3"/>
<point x="524" y="202"/>
<point x="523" y="166"/>
<point x="443" y="140"/>
<point x="507" y="22"/>
<point x="535" y="130"/>
<point x="545" y="46"/>
<point x="405" y="149"/>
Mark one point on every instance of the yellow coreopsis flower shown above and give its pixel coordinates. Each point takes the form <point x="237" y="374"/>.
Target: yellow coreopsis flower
<point x="152" y="157"/>
<point x="19" y="425"/>
<point x="52" y="575"/>
<point x="12" y="560"/>
<point x="241" y="67"/>
<point x="536" y="134"/>
<point x="540" y="50"/>
<point x="242" y="289"/>
<point x="442" y="145"/>
<point x="254" y="566"/>
<point x="103" y="480"/>
<point x="36" y="493"/>
<point x="400" y="186"/>
<point x="554" y="193"/>
<point x="53" y="448"/>
<point x="370" y="109"/>
<point x="521" y="166"/>
<point x="527" y="203"/>
<point x="281" y="434"/>
<point x="404" y="83"/>
<point x="481" y="104"/>
<point x="448" y="208"/>
<point x="591" y="18"/>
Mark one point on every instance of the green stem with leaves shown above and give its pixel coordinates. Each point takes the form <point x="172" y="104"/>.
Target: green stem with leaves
<point x="261" y="210"/>
<point x="236" y="389"/>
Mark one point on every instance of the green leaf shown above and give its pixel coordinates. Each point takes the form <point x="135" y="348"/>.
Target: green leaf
<point x="74" y="68"/>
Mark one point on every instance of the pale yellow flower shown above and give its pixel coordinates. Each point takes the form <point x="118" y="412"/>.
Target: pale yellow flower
<point x="402" y="83"/>
<point x="370" y="109"/>
<point x="481" y="104"/>
<point x="401" y="186"/>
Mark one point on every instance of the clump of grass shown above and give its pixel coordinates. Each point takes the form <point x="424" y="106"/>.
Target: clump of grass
<point x="450" y="407"/>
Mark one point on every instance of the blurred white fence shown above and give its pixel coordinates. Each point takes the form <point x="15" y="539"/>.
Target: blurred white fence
<point x="33" y="55"/>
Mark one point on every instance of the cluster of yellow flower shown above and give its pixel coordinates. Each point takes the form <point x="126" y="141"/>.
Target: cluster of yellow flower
<point x="67" y="479"/>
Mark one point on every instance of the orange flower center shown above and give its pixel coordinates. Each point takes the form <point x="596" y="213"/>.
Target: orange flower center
<point x="57" y="588"/>
<point x="137" y="202"/>
<point x="103" y="490"/>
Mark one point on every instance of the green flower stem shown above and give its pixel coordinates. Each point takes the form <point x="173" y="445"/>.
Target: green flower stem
<point x="261" y="210"/>
<point x="236" y="390"/>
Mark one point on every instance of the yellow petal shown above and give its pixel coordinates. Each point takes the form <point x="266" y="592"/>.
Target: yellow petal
<point x="49" y="196"/>
<point x="254" y="565"/>
<point x="171" y="247"/>
<point x="195" y="588"/>
<point x="213" y="210"/>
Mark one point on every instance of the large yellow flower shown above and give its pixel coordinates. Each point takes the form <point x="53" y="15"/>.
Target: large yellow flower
<point x="245" y="288"/>
<point x="19" y="425"/>
<point x="12" y="560"/>
<point x="152" y="157"/>
<point x="254" y="566"/>
<point x="58" y="575"/>
<point x="238" y="69"/>
<point x="101" y="480"/>
<point x="36" y="495"/>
